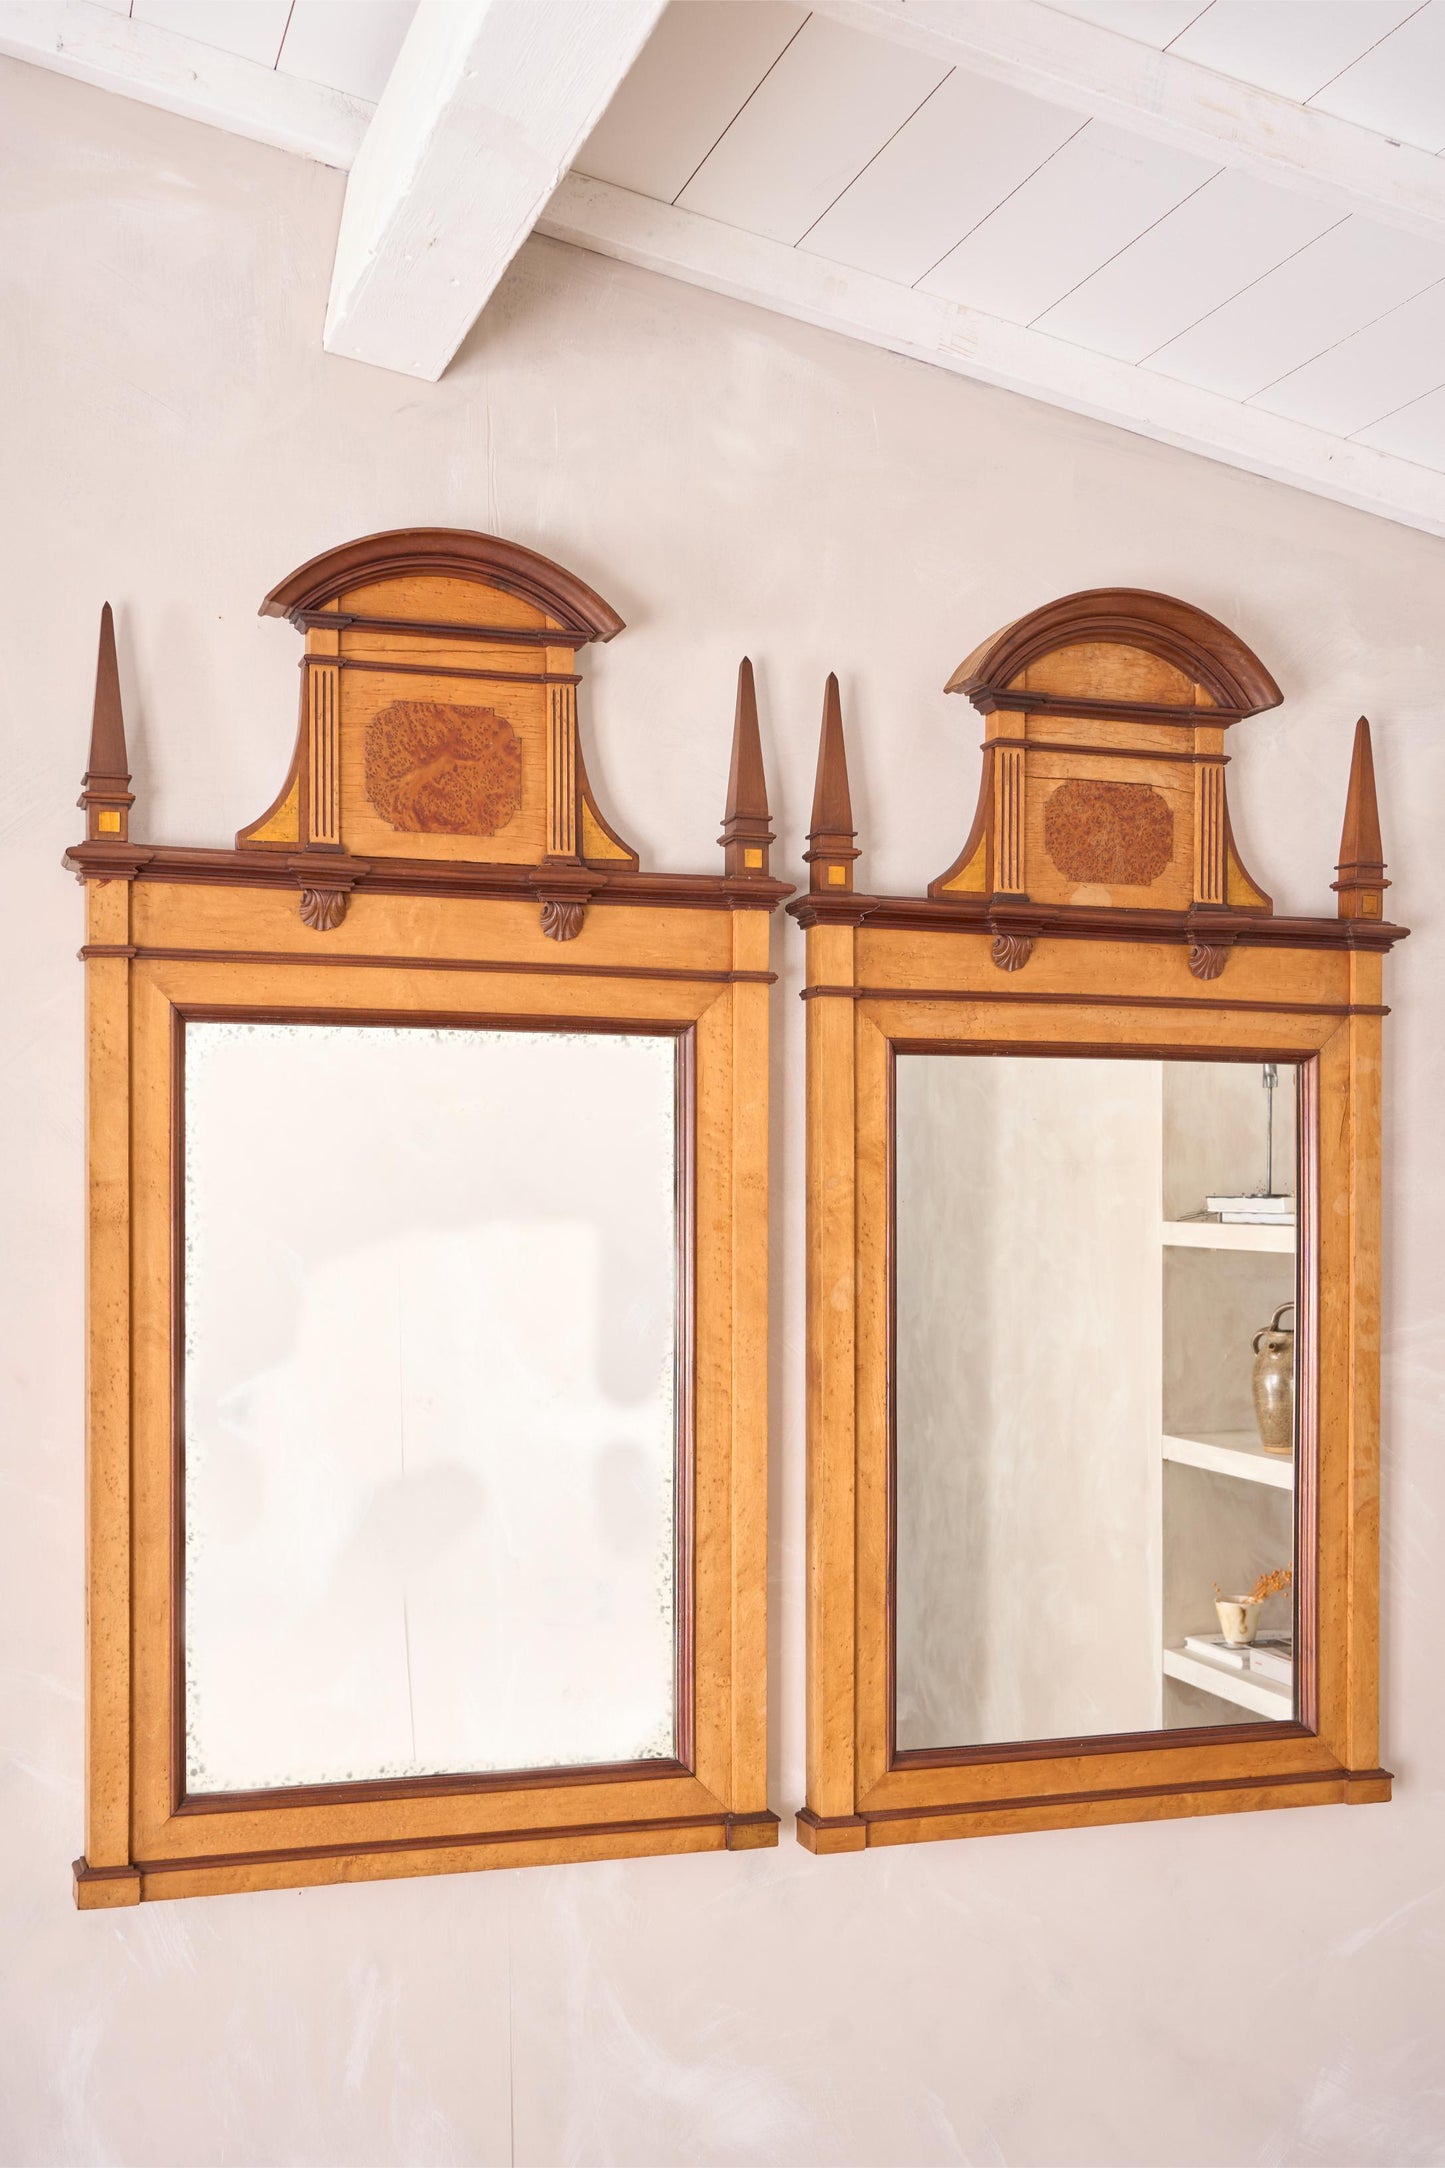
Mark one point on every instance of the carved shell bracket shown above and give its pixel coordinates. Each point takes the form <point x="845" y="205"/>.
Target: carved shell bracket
<point x="323" y="908"/>
<point x="564" y="894"/>
<point x="1011" y="951"/>
<point x="562" y="918"/>
<point x="326" y="882"/>
<point x="1208" y="958"/>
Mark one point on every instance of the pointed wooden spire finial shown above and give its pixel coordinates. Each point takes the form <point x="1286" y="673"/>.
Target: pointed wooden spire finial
<point x="830" y="853"/>
<point x="1361" y="885"/>
<point x="105" y="794"/>
<point x="746" y="832"/>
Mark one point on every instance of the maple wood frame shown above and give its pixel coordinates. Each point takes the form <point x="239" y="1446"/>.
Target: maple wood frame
<point x="172" y="933"/>
<point x="978" y="966"/>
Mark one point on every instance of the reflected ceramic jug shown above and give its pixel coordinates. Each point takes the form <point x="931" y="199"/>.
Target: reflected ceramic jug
<point x="1274" y="1383"/>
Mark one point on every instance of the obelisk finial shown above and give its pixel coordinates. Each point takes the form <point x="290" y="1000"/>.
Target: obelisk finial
<point x="1361" y="885"/>
<point x="830" y="853"/>
<point x="746" y="832"/>
<point x="105" y="793"/>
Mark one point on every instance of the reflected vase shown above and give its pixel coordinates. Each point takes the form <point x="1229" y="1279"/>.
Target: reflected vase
<point x="1273" y="1383"/>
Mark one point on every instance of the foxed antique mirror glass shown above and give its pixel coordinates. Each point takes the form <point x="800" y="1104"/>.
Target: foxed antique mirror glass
<point x="431" y="1457"/>
<point x="1093" y="1272"/>
<point x="427" y="1404"/>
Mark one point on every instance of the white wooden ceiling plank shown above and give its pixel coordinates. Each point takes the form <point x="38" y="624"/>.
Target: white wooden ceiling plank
<point x="1095" y="196"/>
<point x="829" y="105"/>
<point x="694" y="75"/>
<point x="660" y="237"/>
<point x="1415" y="432"/>
<point x="98" y="44"/>
<point x="1169" y="100"/>
<point x="962" y="152"/>
<point x="1229" y="232"/>
<point x="1397" y="89"/>
<point x="1292" y="47"/>
<point x="350" y="44"/>
<point x="251" y="29"/>
<point x="1149" y="22"/>
<point x="1330" y="290"/>
<point x="1380" y="369"/>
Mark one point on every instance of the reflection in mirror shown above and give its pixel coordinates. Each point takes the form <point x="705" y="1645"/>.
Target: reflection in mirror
<point x="431" y="1295"/>
<point x="1094" y="1396"/>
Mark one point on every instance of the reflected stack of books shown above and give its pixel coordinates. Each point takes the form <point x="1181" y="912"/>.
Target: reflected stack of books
<point x="1271" y="1655"/>
<point x="1252" y="1211"/>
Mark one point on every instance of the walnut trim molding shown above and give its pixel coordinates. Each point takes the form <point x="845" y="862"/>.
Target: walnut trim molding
<point x="502" y="898"/>
<point x="1121" y="927"/>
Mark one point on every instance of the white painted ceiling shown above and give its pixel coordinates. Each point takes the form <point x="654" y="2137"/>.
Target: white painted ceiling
<point x="347" y="45"/>
<point x="1127" y="232"/>
<point x="877" y="156"/>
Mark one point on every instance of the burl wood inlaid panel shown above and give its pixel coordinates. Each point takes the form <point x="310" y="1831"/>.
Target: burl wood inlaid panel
<point x="434" y="769"/>
<point x="1114" y="834"/>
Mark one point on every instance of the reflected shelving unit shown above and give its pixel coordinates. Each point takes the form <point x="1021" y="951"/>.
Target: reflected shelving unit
<point x="1226" y="1505"/>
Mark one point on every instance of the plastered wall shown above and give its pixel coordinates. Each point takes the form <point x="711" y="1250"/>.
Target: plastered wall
<point x="171" y="436"/>
<point x="1027" y="1368"/>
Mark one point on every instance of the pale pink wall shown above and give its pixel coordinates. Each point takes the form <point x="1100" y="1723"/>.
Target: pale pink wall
<point x="174" y="438"/>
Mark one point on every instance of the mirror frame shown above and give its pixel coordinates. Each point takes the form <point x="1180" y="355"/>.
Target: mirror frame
<point x="1130" y="694"/>
<point x="424" y="931"/>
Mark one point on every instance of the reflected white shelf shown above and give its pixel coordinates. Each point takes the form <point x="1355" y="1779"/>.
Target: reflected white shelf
<point x="1249" y="1689"/>
<point x="1211" y="1234"/>
<point x="1232" y="1452"/>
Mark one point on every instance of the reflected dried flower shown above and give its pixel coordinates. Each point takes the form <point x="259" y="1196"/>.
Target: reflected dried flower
<point x="1268" y="1584"/>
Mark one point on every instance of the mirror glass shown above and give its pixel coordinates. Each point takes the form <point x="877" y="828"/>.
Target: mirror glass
<point x="1094" y="1396"/>
<point x="431" y="1296"/>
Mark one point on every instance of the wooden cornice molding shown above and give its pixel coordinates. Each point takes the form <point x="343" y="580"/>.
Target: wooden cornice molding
<point x="105" y="794"/>
<point x="450" y="552"/>
<point x="1360" y="885"/>
<point x="1081" y="922"/>
<point x="422" y="877"/>
<point x="747" y="832"/>
<point x="831" y="851"/>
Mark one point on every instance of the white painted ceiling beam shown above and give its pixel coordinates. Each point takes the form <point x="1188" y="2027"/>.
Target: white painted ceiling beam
<point x="1074" y="63"/>
<point x="487" y="105"/>
<point x="659" y="237"/>
<point x="100" y="46"/>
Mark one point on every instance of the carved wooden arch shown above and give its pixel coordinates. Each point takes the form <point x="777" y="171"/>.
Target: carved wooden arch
<point x="1103" y="773"/>
<point x="450" y="553"/>
<point x="1215" y="660"/>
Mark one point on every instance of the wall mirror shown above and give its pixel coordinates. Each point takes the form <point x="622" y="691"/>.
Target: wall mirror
<point x="1079" y="1459"/>
<point x="1093" y="1272"/>
<point x="445" y="1418"/>
<point x="427" y="1401"/>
